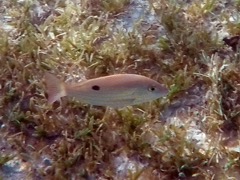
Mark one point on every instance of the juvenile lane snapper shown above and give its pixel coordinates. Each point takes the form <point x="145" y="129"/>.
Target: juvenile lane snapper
<point x="115" y="91"/>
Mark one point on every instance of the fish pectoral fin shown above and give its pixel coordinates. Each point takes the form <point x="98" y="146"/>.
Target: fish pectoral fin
<point x="119" y="103"/>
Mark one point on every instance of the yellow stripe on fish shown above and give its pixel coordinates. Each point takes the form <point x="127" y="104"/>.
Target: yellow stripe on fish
<point x="115" y="91"/>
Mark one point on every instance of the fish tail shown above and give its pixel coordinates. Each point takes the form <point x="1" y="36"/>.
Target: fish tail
<point x="55" y="88"/>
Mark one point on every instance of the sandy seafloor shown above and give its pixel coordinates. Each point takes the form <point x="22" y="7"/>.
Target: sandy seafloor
<point x="177" y="113"/>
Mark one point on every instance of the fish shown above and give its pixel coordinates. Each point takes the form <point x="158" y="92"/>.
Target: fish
<point x="116" y="91"/>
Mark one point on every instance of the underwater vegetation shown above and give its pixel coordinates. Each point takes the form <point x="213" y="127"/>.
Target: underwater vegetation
<point x="190" y="46"/>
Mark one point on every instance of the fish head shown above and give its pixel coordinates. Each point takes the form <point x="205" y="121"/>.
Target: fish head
<point x="149" y="92"/>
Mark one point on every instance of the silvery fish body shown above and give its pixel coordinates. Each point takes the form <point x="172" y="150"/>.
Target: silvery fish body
<point x="115" y="91"/>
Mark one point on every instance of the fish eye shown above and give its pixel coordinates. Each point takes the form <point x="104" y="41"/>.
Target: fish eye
<point x="152" y="88"/>
<point x="96" y="87"/>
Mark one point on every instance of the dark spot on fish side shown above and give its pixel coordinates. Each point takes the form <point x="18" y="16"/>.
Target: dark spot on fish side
<point x="95" y="87"/>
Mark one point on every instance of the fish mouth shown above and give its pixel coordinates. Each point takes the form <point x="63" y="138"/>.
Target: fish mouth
<point x="164" y="91"/>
